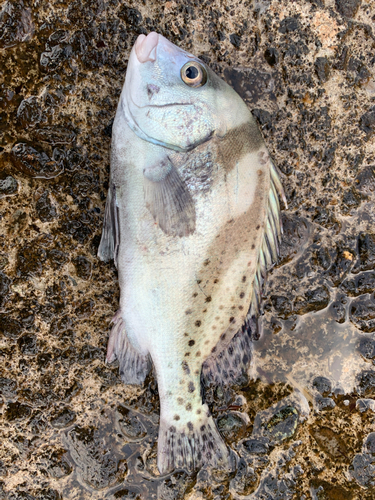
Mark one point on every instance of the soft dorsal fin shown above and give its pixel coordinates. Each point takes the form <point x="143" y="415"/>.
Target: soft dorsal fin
<point x="168" y="199"/>
<point x="230" y="365"/>
<point x="110" y="241"/>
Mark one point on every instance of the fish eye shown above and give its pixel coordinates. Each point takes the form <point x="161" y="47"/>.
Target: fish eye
<point x="193" y="74"/>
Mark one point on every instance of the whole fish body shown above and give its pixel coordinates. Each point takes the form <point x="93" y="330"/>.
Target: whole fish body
<point x="192" y="222"/>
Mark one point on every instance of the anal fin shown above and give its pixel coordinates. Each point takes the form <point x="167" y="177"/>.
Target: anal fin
<point x="134" y="367"/>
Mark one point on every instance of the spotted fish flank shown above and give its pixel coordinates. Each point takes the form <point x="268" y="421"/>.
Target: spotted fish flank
<point x="193" y="221"/>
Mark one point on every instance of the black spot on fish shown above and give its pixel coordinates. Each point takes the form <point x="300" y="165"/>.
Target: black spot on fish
<point x="203" y="428"/>
<point x="258" y="227"/>
<point x="191" y="387"/>
<point x="185" y="367"/>
<point x="152" y="89"/>
<point x="195" y="294"/>
<point x="188" y="311"/>
<point x="240" y="308"/>
<point x="223" y="336"/>
<point x="206" y="262"/>
<point x="232" y="320"/>
<point x="191" y="342"/>
<point x="190" y="426"/>
<point x="242" y="295"/>
<point x="198" y="353"/>
<point x="252" y="246"/>
<point x="180" y="401"/>
<point x="187" y="354"/>
<point x="172" y="428"/>
<point x="208" y="299"/>
<point x="243" y="279"/>
<point x="188" y="407"/>
<point x="176" y="417"/>
<point x="216" y="281"/>
<point x="213" y="349"/>
<point x="198" y="323"/>
<point x="199" y="412"/>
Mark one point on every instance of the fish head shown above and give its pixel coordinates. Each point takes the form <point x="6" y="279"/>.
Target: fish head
<point x="171" y="98"/>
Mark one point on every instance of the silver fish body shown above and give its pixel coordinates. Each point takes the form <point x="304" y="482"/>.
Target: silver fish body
<point x="192" y="221"/>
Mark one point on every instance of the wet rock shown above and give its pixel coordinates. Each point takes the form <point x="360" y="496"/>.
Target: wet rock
<point x="55" y="135"/>
<point x="362" y="313"/>
<point x="246" y="480"/>
<point x="366" y="347"/>
<point x="98" y="466"/>
<point x="347" y="8"/>
<point x="53" y="462"/>
<point x="296" y="234"/>
<point x="283" y="424"/>
<point x="342" y="265"/>
<point x="338" y="311"/>
<point x="322" y="69"/>
<point x="326" y="218"/>
<point x="45" y="209"/>
<point x="48" y="494"/>
<point x="361" y="284"/>
<point x="250" y="83"/>
<point x="289" y="24"/>
<point x="329" y="441"/>
<point x="271" y="55"/>
<point x="5" y="283"/>
<point x="363" y="405"/>
<point x="231" y="426"/>
<point x="175" y="487"/>
<point x="27" y="344"/>
<point x="271" y="487"/>
<point x="366" y="383"/>
<point x="8" y="387"/>
<point x="350" y="200"/>
<point x="8" y="185"/>
<point x="322" y="257"/>
<point x="125" y="494"/>
<point x="282" y="306"/>
<point x="29" y="112"/>
<point x="366" y="252"/>
<point x="369" y="444"/>
<point x="83" y="267"/>
<point x="16" y="24"/>
<point x="57" y="258"/>
<point x="362" y="469"/>
<point x="365" y="180"/>
<point x="64" y="418"/>
<point x="324" y="403"/>
<point x="325" y="490"/>
<point x="255" y="446"/>
<point x="313" y="300"/>
<point x="131" y="424"/>
<point x="367" y="122"/>
<point x="17" y="411"/>
<point x="10" y="327"/>
<point x="30" y="260"/>
<point x="323" y="385"/>
<point x="34" y="162"/>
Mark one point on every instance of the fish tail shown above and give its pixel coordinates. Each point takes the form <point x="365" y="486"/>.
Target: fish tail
<point x="193" y="445"/>
<point x="134" y="366"/>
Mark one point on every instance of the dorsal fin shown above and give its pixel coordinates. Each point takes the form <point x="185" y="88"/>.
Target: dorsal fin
<point x="231" y="364"/>
<point x="110" y="240"/>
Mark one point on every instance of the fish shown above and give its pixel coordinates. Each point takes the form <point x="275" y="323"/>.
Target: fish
<point x="192" y="221"/>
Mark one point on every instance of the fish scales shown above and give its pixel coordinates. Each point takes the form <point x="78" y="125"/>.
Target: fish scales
<point x="189" y="221"/>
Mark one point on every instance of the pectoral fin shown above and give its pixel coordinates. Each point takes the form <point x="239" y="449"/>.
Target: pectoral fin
<point x="110" y="241"/>
<point x="169" y="200"/>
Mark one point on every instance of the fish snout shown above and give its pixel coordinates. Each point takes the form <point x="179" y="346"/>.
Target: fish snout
<point x="145" y="47"/>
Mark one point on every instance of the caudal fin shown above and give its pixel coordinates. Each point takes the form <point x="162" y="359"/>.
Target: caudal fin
<point x="192" y="446"/>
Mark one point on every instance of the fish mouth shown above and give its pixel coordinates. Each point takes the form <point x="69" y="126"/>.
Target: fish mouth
<point x="145" y="47"/>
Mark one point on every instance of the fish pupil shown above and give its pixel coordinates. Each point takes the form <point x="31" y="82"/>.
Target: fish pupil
<point x="191" y="72"/>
